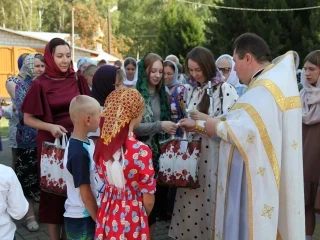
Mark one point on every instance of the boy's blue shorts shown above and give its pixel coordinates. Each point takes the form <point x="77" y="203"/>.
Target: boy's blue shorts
<point x="80" y="228"/>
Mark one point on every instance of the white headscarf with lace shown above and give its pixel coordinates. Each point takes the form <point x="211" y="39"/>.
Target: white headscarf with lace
<point x="127" y="82"/>
<point x="233" y="77"/>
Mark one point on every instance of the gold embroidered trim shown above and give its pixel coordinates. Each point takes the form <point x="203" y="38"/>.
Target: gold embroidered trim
<point x="284" y="103"/>
<point x="265" y="138"/>
<point x="248" y="178"/>
<point x="227" y="182"/>
<point x="215" y="199"/>
<point x="200" y="129"/>
<point x="272" y="65"/>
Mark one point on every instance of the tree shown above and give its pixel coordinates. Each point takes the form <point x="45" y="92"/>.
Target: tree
<point x="180" y="30"/>
<point x="56" y="16"/>
<point x="283" y="31"/>
<point x="86" y="24"/>
<point x="140" y="21"/>
<point x="20" y="14"/>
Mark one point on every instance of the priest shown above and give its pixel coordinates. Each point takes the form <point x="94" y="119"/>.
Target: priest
<point x="260" y="177"/>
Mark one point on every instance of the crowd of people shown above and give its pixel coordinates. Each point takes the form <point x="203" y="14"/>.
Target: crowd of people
<point x="257" y="171"/>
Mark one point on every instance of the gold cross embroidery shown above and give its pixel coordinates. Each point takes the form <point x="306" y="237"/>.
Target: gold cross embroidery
<point x="261" y="171"/>
<point x="221" y="189"/>
<point x="218" y="235"/>
<point x="250" y="138"/>
<point x="267" y="212"/>
<point x="294" y="145"/>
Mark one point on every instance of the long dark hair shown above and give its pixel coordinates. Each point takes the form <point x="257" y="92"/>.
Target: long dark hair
<point x="205" y="59"/>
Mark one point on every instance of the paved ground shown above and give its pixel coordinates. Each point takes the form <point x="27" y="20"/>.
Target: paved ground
<point x="161" y="232"/>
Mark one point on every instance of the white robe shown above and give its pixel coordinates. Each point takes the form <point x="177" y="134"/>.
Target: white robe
<point x="260" y="193"/>
<point x="193" y="210"/>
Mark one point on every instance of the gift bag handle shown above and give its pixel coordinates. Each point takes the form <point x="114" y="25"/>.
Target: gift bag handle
<point x="64" y="141"/>
<point x="184" y="137"/>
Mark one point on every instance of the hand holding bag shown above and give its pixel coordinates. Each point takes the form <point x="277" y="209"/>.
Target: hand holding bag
<point x="178" y="163"/>
<point x="51" y="165"/>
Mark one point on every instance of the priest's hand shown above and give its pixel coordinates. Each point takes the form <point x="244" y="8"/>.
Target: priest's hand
<point x="196" y="115"/>
<point x="187" y="124"/>
<point x="210" y="126"/>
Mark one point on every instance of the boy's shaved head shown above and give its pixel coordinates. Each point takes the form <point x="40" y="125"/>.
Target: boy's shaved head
<point x="90" y="70"/>
<point x="83" y="105"/>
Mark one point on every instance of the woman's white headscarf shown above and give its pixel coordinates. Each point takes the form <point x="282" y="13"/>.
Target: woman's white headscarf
<point x="310" y="99"/>
<point x="127" y="82"/>
<point x="233" y="77"/>
<point x="175" y="76"/>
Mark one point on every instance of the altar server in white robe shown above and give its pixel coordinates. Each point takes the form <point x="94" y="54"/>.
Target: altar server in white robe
<point x="260" y="193"/>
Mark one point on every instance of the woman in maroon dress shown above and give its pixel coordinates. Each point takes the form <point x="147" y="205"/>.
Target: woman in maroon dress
<point x="46" y="108"/>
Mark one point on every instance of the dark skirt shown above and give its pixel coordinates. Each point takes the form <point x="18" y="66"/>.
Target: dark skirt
<point x="26" y="168"/>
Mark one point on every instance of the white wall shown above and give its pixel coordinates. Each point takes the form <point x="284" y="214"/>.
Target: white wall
<point x="10" y="39"/>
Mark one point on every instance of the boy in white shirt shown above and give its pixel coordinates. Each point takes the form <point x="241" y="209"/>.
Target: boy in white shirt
<point x="81" y="206"/>
<point x="13" y="204"/>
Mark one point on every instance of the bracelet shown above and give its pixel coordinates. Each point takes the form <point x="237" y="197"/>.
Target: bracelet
<point x="200" y="129"/>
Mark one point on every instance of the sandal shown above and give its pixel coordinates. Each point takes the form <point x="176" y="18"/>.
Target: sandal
<point x="33" y="225"/>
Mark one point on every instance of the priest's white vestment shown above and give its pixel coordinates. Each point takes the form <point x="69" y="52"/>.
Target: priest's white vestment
<point x="260" y="194"/>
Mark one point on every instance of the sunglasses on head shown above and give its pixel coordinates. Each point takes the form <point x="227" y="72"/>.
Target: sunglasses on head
<point x="225" y="70"/>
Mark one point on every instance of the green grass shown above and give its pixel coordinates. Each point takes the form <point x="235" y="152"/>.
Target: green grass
<point x="4" y="127"/>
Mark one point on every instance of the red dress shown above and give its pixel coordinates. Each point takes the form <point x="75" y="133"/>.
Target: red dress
<point x="122" y="214"/>
<point x="49" y="100"/>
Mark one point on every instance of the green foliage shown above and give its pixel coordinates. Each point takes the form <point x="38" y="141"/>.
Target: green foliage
<point x="283" y="31"/>
<point x="139" y="20"/>
<point x="180" y="30"/>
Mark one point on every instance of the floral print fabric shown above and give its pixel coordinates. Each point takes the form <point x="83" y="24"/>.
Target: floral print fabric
<point x="122" y="214"/>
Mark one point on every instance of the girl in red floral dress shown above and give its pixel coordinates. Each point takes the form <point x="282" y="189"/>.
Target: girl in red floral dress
<point x="125" y="166"/>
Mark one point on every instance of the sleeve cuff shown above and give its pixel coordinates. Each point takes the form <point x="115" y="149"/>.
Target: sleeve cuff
<point x="221" y="131"/>
<point x="200" y="127"/>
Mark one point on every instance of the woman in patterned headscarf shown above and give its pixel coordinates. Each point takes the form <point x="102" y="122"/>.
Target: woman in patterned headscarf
<point x="125" y="166"/>
<point x="26" y="164"/>
<point x="11" y="83"/>
<point x="156" y="124"/>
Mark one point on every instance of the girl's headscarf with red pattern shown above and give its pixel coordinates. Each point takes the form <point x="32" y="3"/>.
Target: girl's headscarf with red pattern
<point x="121" y="106"/>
